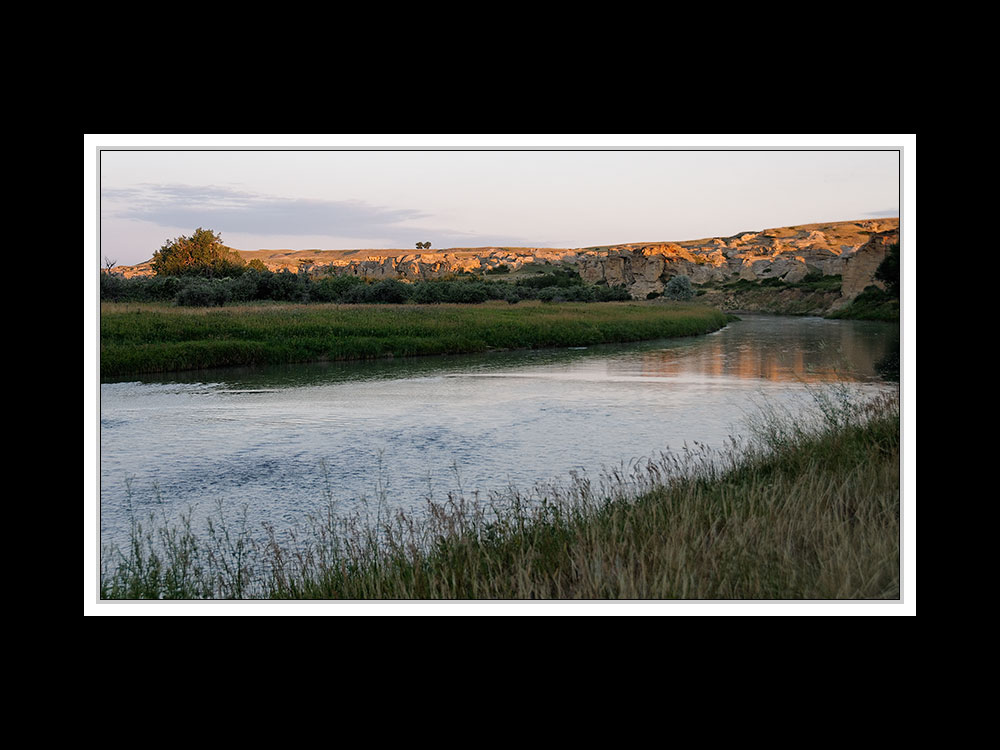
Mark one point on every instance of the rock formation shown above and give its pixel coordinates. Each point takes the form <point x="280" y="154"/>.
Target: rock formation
<point x="852" y="249"/>
<point x="860" y="272"/>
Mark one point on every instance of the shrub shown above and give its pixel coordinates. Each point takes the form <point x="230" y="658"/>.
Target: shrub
<point x="390" y="291"/>
<point x="561" y="277"/>
<point x="357" y="294"/>
<point x="160" y="288"/>
<point x="872" y="304"/>
<point x="332" y="288"/>
<point x="772" y="282"/>
<point x="611" y="294"/>
<point x="252" y="284"/>
<point x="283" y="286"/>
<point x="244" y="288"/>
<point x="427" y="293"/>
<point x="679" y="288"/>
<point x="202" y="293"/>
<point x="817" y="281"/>
<point x="114" y="288"/>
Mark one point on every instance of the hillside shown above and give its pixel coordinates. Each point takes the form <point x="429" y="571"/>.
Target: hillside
<point x="850" y="249"/>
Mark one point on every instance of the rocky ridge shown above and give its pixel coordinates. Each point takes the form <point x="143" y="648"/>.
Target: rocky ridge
<point x="851" y="249"/>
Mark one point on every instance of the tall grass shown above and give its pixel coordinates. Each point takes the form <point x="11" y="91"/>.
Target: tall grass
<point x="804" y="508"/>
<point x="157" y="338"/>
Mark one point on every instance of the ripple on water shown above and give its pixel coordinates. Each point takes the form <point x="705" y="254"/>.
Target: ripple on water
<point x="281" y="443"/>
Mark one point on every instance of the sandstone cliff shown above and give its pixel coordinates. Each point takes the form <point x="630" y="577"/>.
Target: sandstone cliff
<point x="852" y="249"/>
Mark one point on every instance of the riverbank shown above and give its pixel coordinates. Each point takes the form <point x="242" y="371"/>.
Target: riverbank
<point x="754" y="298"/>
<point x="149" y="338"/>
<point x="808" y="509"/>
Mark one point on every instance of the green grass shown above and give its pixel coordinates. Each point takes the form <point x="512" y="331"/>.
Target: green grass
<point x="813" y="282"/>
<point x="147" y="338"/>
<point x="806" y="509"/>
<point x="872" y="304"/>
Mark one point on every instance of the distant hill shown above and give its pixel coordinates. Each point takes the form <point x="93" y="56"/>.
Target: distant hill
<point x="851" y="249"/>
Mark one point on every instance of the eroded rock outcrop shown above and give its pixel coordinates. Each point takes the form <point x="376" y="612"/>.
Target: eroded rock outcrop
<point x="859" y="273"/>
<point x="852" y="249"/>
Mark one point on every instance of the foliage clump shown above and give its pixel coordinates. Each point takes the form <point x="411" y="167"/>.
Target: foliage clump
<point x="248" y="284"/>
<point x="201" y="254"/>
<point x="679" y="288"/>
<point x="888" y="271"/>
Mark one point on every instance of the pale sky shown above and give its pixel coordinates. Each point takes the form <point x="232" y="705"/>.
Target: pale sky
<point x="381" y="197"/>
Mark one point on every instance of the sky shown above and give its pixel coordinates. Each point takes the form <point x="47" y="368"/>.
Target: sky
<point x="327" y="193"/>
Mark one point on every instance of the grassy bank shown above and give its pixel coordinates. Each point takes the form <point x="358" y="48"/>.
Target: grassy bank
<point x="146" y="338"/>
<point x="813" y="295"/>
<point x="872" y="304"/>
<point x="807" y="509"/>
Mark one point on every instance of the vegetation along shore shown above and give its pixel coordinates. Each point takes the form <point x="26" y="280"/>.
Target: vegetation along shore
<point x="148" y="338"/>
<point x="205" y="305"/>
<point x="803" y="509"/>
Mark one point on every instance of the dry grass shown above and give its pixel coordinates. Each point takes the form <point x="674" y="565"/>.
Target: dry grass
<point x="806" y="509"/>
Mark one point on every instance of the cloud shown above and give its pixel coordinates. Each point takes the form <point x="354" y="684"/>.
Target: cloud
<point x="886" y="212"/>
<point x="231" y="211"/>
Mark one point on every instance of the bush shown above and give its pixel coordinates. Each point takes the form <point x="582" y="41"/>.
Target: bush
<point x="283" y="286"/>
<point x="154" y="289"/>
<point x="679" y="288"/>
<point x="332" y="288"/>
<point x="772" y="282"/>
<point x="389" y="291"/>
<point x="613" y="294"/>
<point x="160" y="289"/>
<point x="560" y="277"/>
<point x="252" y="285"/>
<point x="113" y="288"/>
<point x="817" y="281"/>
<point x="872" y="304"/>
<point x="245" y="287"/>
<point x="202" y="293"/>
<point x="426" y="293"/>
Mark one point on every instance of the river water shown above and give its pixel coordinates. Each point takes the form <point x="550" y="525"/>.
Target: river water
<point x="283" y="441"/>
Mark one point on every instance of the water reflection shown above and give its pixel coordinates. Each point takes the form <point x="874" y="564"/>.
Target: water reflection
<point x="283" y="439"/>
<point x="802" y="350"/>
<point x="811" y="350"/>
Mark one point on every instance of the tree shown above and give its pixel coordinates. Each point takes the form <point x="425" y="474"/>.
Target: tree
<point x="423" y="245"/>
<point x="201" y="254"/>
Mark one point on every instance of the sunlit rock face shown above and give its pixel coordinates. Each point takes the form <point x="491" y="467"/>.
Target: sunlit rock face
<point x="852" y="249"/>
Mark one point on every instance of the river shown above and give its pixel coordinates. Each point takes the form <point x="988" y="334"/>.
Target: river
<point x="282" y="441"/>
